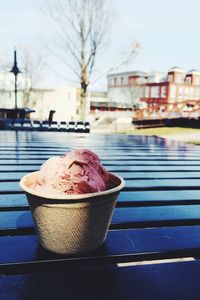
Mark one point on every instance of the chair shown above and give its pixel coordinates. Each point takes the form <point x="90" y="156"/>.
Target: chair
<point x="71" y="126"/>
<point x="87" y="127"/>
<point x="62" y="126"/>
<point x="17" y="124"/>
<point x="45" y="126"/>
<point x="27" y="125"/>
<point x="80" y="127"/>
<point x="51" y="113"/>
<point x="36" y="125"/>
<point x="54" y="126"/>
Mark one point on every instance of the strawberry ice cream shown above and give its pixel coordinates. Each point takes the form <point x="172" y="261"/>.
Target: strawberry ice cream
<point x="72" y="200"/>
<point x="77" y="172"/>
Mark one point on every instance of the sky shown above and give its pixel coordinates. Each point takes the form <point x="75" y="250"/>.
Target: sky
<point x="168" y="32"/>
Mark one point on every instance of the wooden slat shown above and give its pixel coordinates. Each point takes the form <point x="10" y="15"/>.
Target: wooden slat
<point x="161" y="197"/>
<point x="162" y="184"/>
<point x="149" y="168"/>
<point x="162" y="281"/>
<point x="9" y="176"/>
<point x="156" y="216"/>
<point x="101" y="148"/>
<point x="18" y="168"/>
<point x="135" y="185"/>
<point x="104" y="157"/>
<point x="120" y="246"/>
<point x="105" y="154"/>
<point x="121" y="168"/>
<point x="157" y="175"/>
<point x="123" y="217"/>
<point x="153" y="162"/>
<point x="126" y="199"/>
<point x="169" y="195"/>
<point x="12" y="200"/>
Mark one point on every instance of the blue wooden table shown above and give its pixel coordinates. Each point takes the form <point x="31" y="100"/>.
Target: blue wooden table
<point x="153" y="244"/>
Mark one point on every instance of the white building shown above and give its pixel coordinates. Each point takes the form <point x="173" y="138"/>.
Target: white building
<point x="65" y="101"/>
<point x="156" y="76"/>
<point x="125" y="89"/>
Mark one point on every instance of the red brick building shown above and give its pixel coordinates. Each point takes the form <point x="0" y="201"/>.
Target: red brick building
<point x="178" y="93"/>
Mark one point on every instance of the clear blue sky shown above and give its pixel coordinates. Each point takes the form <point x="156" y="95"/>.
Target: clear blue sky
<point x="169" y="32"/>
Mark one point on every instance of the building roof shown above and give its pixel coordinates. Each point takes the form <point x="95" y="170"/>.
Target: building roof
<point x="129" y="73"/>
<point x="156" y="76"/>
<point x="193" y="71"/>
<point x="175" y="68"/>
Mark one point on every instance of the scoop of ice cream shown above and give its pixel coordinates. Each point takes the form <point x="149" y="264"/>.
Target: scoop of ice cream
<point x="77" y="172"/>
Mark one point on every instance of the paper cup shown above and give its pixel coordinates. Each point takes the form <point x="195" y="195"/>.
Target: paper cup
<point x="71" y="224"/>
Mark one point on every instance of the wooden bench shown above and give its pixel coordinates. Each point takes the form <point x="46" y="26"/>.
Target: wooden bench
<point x="153" y="244"/>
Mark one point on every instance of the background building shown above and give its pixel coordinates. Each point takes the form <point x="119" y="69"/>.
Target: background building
<point x="126" y="89"/>
<point x="65" y="101"/>
<point x="177" y="95"/>
<point x="130" y="94"/>
<point x="156" y="94"/>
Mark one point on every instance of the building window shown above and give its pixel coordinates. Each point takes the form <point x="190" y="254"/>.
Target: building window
<point x="196" y="80"/>
<point x="197" y="93"/>
<point x="191" y="93"/>
<point x="163" y="91"/>
<point x="188" y="80"/>
<point x="172" y="92"/>
<point x="141" y="80"/>
<point x="180" y="92"/>
<point x="170" y="78"/>
<point x="179" y="78"/>
<point x="125" y="80"/>
<point x="146" y="92"/>
<point x="186" y="93"/>
<point x="122" y="80"/>
<point x="115" y="81"/>
<point x="155" y="92"/>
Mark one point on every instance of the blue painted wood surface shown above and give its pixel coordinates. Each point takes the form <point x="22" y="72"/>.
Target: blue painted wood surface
<point x="161" y="281"/>
<point x="157" y="216"/>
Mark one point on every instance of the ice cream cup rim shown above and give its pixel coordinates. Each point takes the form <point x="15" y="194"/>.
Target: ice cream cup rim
<point x="72" y="196"/>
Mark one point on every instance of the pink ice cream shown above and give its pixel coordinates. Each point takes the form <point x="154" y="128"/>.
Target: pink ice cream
<point x="77" y="172"/>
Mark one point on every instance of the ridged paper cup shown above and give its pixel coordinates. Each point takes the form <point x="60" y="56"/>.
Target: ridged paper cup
<point x="71" y="224"/>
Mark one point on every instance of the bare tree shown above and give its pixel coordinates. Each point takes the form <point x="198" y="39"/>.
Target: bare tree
<point x="32" y="65"/>
<point x="134" y="92"/>
<point x="4" y="68"/>
<point x="80" y="28"/>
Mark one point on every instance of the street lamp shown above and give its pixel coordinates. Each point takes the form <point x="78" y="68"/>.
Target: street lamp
<point x="15" y="70"/>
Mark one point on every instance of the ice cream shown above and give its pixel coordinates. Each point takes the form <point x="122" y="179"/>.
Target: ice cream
<point x="76" y="172"/>
<point x="72" y="200"/>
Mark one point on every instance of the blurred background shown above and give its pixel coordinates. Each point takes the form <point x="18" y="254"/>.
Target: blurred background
<point x="123" y="66"/>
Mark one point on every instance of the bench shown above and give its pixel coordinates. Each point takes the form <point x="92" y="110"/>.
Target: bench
<point x="153" y="245"/>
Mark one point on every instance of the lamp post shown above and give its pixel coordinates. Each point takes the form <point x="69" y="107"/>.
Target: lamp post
<point x="15" y="70"/>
